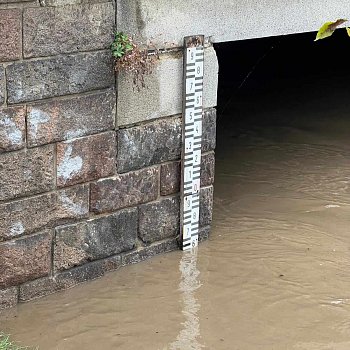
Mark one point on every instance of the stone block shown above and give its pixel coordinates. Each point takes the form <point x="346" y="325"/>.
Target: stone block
<point x="57" y="76"/>
<point x="209" y="130"/>
<point x="66" y="119"/>
<point x="149" y="144"/>
<point x="163" y="95"/>
<point x="95" y="239"/>
<point x="29" y="215"/>
<point x="144" y="253"/>
<point x="206" y="206"/>
<point x="26" y="172"/>
<point x="207" y="169"/>
<point x="12" y="128"/>
<point x="85" y="159"/>
<point x="25" y="259"/>
<point x="204" y="233"/>
<point x="170" y="178"/>
<point x="67" y="279"/>
<point x="10" y="34"/>
<point x="68" y="2"/>
<point x="67" y="29"/>
<point x="8" y="297"/>
<point x="124" y="190"/>
<point x="159" y="220"/>
<point x="2" y="85"/>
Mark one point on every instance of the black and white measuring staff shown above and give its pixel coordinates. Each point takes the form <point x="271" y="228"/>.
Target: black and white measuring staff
<point x="192" y="139"/>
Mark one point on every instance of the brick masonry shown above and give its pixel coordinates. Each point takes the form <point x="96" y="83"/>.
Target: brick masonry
<point x="83" y="191"/>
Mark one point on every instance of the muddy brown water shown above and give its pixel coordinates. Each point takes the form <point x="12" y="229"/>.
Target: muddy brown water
<point x="275" y="273"/>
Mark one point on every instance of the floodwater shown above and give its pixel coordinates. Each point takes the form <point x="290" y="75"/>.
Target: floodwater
<point x="275" y="273"/>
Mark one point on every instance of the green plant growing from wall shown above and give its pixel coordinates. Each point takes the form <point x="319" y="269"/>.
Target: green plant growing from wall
<point x="329" y="28"/>
<point x="135" y="60"/>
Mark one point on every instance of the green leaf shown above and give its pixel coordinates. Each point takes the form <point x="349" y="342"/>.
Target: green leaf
<point x="328" y="29"/>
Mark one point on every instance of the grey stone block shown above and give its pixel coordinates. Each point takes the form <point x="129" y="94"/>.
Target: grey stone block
<point x="26" y="172"/>
<point x="62" y="75"/>
<point x="25" y="259"/>
<point x="149" y="144"/>
<point x="163" y="95"/>
<point x="28" y="215"/>
<point x="95" y="239"/>
<point x="206" y="206"/>
<point x="12" y="128"/>
<point x="124" y="190"/>
<point x="207" y="169"/>
<point x="68" y="2"/>
<point x="224" y="20"/>
<point x="66" y="119"/>
<point x="8" y="297"/>
<point x="209" y="130"/>
<point x="170" y="178"/>
<point x="144" y="253"/>
<point x="204" y="233"/>
<point x="67" y="29"/>
<point x="2" y="85"/>
<point x="159" y="220"/>
<point x="67" y="279"/>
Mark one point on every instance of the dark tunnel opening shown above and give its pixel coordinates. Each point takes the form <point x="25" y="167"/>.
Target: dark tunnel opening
<point x="265" y="80"/>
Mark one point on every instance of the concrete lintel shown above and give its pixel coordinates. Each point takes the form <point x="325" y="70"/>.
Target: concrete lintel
<point x="163" y="95"/>
<point x="226" y="20"/>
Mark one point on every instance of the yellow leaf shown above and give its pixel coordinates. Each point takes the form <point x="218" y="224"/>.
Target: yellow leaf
<point x="348" y="30"/>
<point x="328" y="29"/>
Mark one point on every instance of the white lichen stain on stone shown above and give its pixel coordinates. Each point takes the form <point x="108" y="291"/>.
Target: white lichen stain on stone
<point x="9" y="127"/>
<point x="75" y="208"/>
<point x="72" y="134"/>
<point x="36" y="117"/>
<point x="68" y="167"/>
<point x="17" y="229"/>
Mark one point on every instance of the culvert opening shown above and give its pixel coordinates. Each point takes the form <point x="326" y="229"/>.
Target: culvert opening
<point x="283" y="126"/>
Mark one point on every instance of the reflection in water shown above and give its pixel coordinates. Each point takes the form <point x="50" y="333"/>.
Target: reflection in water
<point x="188" y="337"/>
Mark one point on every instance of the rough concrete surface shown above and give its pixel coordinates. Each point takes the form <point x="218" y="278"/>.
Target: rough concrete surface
<point x="225" y="20"/>
<point x="163" y="95"/>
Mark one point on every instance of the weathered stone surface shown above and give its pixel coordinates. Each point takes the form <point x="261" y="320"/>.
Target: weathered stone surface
<point x="163" y="95"/>
<point x="70" y="118"/>
<point x="170" y="178"/>
<point x="68" y="2"/>
<point x="124" y="190"/>
<point x="8" y="297"/>
<point x="149" y="144"/>
<point x="85" y="159"/>
<point x="25" y="259"/>
<point x="2" y="85"/>
<point x="62" y="75"/>
<point x="12" y="128"/>
<point x="67" y="279"/>
<point x="209" y="130"/>
<point x="207" y="169"/>
<point x="95" y="239"/>
<point x="28" y="215"/>
<point x="10" y="34"/>
<point x="204" y="233"/>
<point x="67" y="29"/>
<point x="159" y="220"/>
<point x="206" y="206"/>
<point x="26" y="172"/>
<point x="144" y="253"/>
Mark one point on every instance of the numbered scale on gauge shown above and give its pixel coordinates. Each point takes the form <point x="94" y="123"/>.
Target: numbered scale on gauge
<point x="192" y="139"/>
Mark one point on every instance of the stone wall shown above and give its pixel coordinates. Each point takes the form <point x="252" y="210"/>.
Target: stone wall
<point x="89" y="182"/>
